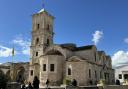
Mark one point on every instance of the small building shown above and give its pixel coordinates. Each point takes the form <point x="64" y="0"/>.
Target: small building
<point x="121" y="73"/>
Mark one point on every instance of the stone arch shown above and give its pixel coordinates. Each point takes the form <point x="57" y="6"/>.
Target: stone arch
<point x="57" y="50"/>
<point x="37" y="41"/>
<point x="20" y="71"/>
<point x="75" y="58"/>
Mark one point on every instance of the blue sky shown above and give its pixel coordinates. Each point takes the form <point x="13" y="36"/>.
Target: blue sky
<point x="76" y="21"/>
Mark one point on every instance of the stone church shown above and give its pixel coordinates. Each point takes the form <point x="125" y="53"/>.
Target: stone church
<point x="56" y="62"/>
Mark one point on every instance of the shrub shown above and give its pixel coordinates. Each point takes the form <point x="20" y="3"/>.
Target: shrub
<point x="102" y="81"/>
<point x="66" y="81"/>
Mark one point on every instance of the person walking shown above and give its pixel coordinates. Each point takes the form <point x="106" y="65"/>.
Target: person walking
<point x="47" y="83"/>
<point x="74" y="82"/>
<point x="36" y="83"/>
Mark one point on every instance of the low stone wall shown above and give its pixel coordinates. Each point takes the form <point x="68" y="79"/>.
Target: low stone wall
<point x="54" y="88"/>
<point x="89" y="87"/>
<point x="71" y="87"/>
<point x="105" y="87"/>
<point x="116" y="87"/>
<point x="13" y="85"/>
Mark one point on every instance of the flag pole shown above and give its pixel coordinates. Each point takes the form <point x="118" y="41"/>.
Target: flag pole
<point x="13" y="64"/>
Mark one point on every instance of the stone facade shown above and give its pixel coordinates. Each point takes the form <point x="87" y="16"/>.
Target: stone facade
<point x="59" y="61"/>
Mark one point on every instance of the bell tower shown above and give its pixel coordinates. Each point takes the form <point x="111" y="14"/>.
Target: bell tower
<point x="42" y="37"/>
<point x="42" y="34"/>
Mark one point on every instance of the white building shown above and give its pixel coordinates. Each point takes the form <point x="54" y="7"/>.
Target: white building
<point x="121" y="73"/>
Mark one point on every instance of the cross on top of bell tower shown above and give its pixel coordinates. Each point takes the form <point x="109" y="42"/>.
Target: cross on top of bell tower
<point x="43" y="4"/>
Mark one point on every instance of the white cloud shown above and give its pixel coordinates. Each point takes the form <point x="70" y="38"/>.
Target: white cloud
<point x="24" y="44"/>
<point x="126" y="40"/>
<point x="5" y="51"/>
<point x="26" y="51"/>
<point x="97" y="36"/>
<point x="120" y="58"/>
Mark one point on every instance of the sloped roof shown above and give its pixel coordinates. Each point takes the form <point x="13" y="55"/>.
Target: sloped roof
<point x="108" y="57"/>
<point x="126" y="65"/>
<point x="84" y="47"/>
<point x="69" y="46"/>
<point x="73" y="47"/>
<point x="101" y="52"/>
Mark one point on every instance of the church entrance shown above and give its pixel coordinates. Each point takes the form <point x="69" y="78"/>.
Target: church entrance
<point x="20" y="75"/>
<point x="106" y="76"/>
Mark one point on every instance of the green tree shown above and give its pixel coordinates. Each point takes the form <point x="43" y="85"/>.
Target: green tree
<point x="3" y="80"/>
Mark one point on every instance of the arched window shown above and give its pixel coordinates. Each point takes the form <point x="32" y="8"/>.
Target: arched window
<point x="95" y="74"/>
<point x="101" y="74"/>
<point x="48" y="41"/>
<point x="36" y="53"/>
<point x="89" y="73"/>
<point x="38" y="26"/>
<point x="48" y="27"/>
<point x="37" y="40"/>
<point x="69" y="71"/>
<point x="44" y="67"/>
<point x="31" y="72"/>
<point x="95" y="56"/>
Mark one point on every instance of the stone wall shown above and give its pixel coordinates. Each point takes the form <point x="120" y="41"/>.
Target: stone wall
<point x="78" y="72"/>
